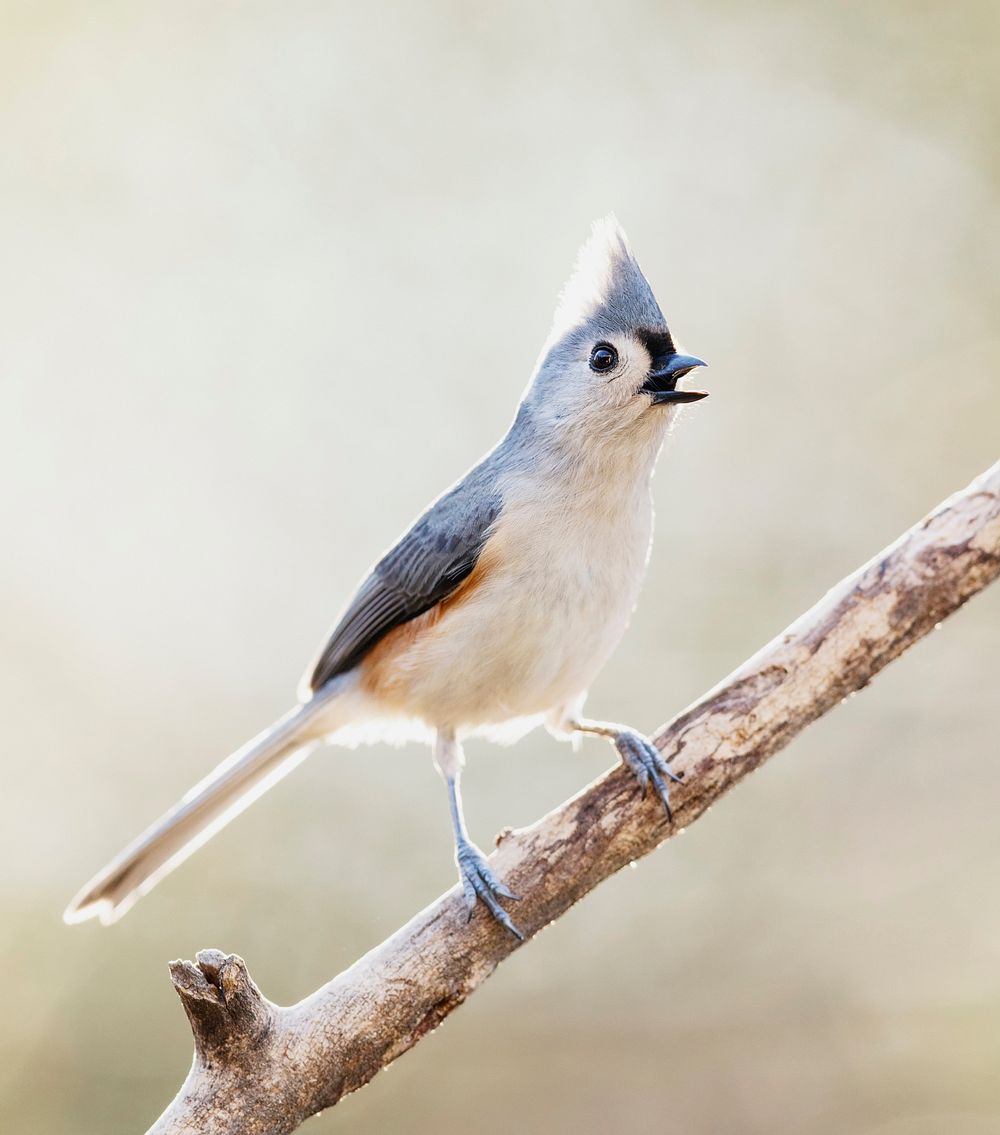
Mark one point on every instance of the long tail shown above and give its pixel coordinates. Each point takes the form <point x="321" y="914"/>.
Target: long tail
<point x="206" y="809"/>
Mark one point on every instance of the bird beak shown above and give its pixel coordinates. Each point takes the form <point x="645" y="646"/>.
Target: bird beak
<point x="661" y="381"/>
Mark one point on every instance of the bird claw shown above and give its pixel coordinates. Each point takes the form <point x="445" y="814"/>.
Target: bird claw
<point x="479" y="883"/>
<point x="640" y="755"/>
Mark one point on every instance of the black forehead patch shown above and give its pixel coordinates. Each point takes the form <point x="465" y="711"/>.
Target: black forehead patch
<point x="659" y="343"/>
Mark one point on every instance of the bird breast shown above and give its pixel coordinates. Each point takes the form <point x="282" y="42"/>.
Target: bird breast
<point x="534" y="622"/>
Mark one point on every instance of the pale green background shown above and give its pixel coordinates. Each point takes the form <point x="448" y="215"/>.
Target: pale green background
<point x="272" y="276"/>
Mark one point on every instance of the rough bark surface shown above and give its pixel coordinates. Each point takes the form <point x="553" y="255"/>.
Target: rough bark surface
<point x="260" y="1068"/>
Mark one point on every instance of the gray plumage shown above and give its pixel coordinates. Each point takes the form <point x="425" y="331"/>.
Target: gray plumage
<point x="563" y="509"/>
<point x="424" y="567"/>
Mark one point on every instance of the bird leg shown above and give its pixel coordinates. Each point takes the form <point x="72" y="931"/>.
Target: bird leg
<point x="478" y="881"/>
<point x="637" y="752"/>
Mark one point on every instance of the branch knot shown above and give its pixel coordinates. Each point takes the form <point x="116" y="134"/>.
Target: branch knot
<point x="228" y="1013"/>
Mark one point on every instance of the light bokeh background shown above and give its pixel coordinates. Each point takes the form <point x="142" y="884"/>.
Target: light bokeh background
<point x="272" y="276"/>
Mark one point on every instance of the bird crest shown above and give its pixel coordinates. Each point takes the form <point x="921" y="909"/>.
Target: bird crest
<point x="607" y="284"/>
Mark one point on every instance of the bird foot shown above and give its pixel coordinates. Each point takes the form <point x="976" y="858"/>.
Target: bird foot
<point x="479" y="882"/>
<point x="647" y="765"/>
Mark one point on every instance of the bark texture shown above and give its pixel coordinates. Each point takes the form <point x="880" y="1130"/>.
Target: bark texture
<point x="260" y="1068"/>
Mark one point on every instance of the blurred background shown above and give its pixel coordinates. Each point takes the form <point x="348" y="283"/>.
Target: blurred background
<point x="273" y="275"/>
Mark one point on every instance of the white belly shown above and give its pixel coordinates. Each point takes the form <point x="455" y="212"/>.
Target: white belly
<point x="553" y="596"/>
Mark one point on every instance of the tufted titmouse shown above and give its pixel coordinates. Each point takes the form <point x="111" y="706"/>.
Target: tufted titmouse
<point x="500" y="605"/>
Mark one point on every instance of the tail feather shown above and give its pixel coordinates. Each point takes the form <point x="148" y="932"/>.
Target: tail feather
<point x="204" y="810"/>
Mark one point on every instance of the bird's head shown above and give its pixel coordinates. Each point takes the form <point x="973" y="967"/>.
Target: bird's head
<point x="610" y="361"/>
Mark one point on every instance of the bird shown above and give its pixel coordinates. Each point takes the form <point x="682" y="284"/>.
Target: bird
<point x="495" y="611"/>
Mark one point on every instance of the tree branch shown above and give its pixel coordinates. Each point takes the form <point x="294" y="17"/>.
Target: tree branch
<point x="259" y="1068"/>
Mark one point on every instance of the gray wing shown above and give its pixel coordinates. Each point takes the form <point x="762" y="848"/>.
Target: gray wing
<point x="427" y="564"/>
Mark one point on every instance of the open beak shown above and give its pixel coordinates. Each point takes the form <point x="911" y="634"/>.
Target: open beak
<point x="661" y="382"/>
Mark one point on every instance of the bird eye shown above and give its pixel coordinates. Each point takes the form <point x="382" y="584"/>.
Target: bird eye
<point x="603" y="357"/>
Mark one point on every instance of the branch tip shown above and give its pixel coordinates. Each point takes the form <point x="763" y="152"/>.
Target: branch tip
<point x="191" y="983"/>
<point x="222" y="1002"/>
